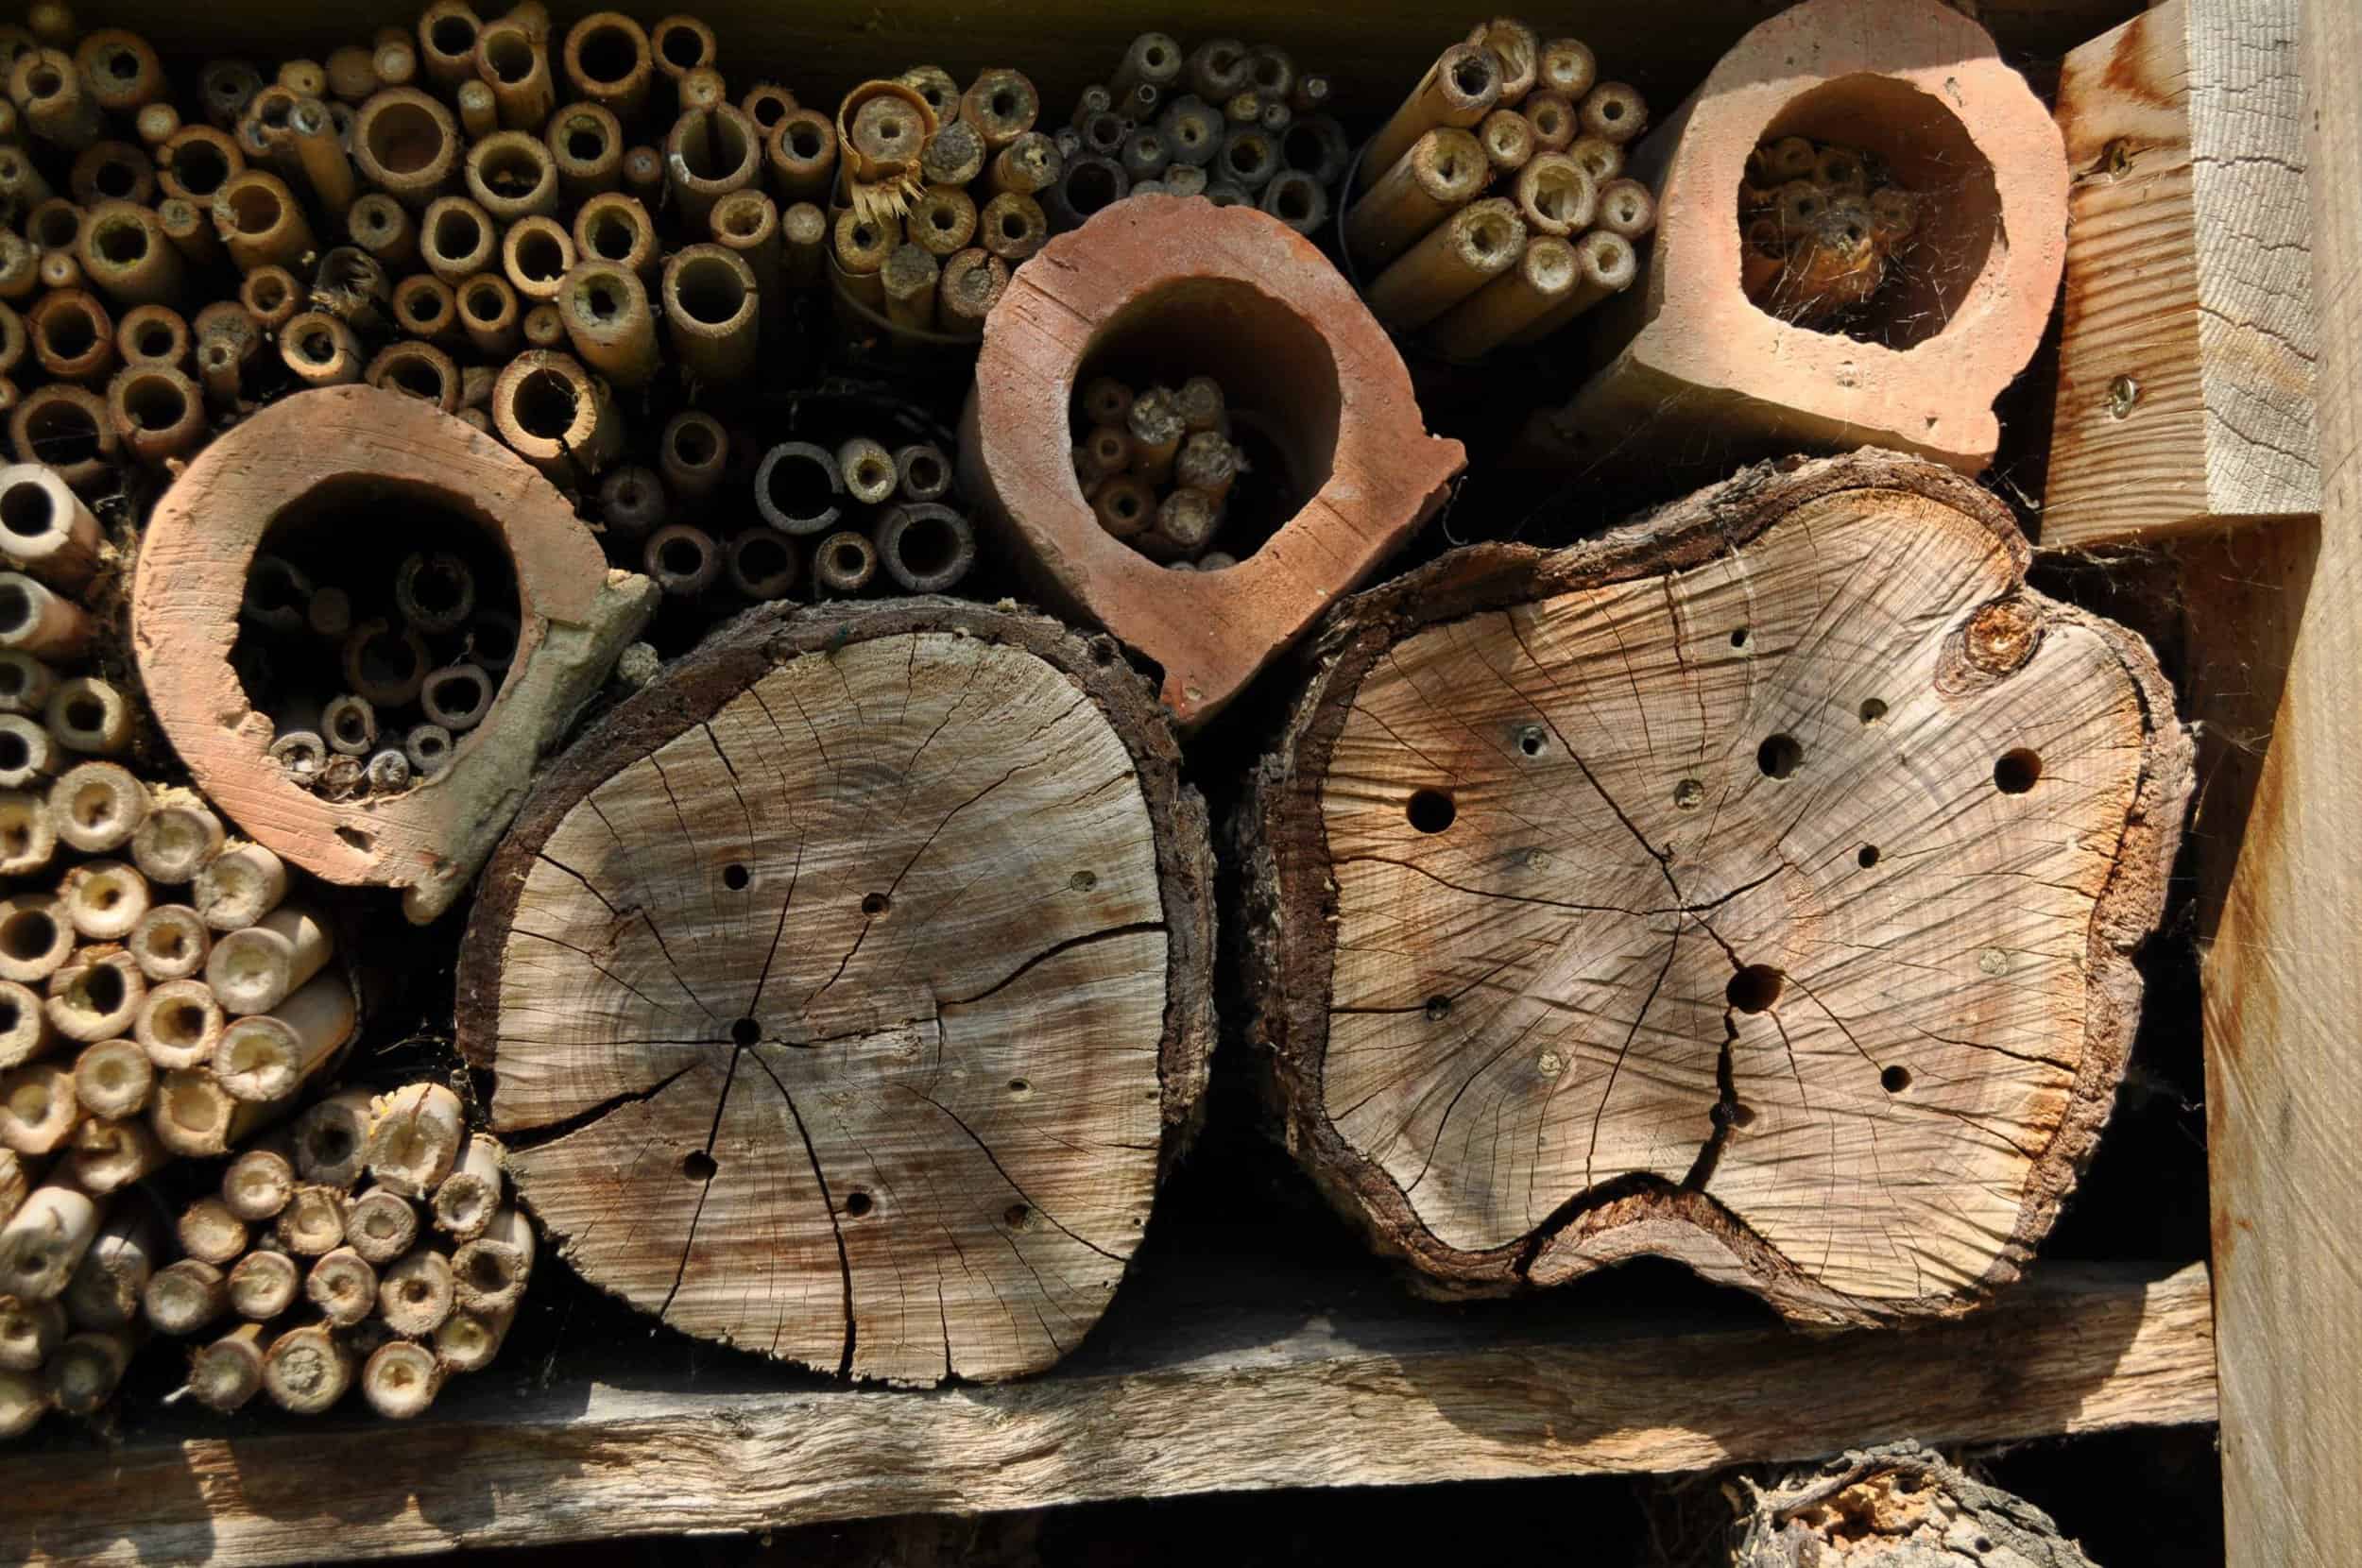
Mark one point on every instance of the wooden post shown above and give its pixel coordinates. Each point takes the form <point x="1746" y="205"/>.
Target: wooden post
<point x="2186" y="363"/>
<point x="2282" y="997"/>
<point x="1612" y="902"/>
<point x="855" y="1036"/>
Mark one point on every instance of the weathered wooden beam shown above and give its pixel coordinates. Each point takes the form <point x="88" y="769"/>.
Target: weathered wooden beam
<point x="2283" y="994"/>
<point x="2185" y="362"/>
<point x="1230" y="1397"/>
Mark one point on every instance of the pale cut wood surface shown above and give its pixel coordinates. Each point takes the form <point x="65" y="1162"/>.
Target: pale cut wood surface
<point x="1223" y="1393"/>
<point x="2186" y="357"/>
<point x="2284" y="992"/>
<point x="832" y="1025"/>
<point x="1780" y="908"/>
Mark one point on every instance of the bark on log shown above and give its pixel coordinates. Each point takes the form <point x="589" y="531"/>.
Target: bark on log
<point x="1895" y="1505"/>
<point x="1753" y="886"/>
<point x="849" y="985"/>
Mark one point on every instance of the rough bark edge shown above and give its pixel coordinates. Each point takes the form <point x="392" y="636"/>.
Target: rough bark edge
<point x="1770" y="1532"/>
<point x="694" y="687"/>
<point x="1286" y="925"/>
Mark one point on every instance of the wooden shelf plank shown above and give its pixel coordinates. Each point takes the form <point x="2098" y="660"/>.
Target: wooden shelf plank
<point x="1246" y="1400"/>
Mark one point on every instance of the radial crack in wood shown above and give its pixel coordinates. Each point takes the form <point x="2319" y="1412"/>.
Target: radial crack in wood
<point x="1753" y="886"/>
<point x="848" y="986"/>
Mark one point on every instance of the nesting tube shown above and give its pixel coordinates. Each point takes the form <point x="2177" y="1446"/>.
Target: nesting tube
<point x="926" y="547"/>
<point x="179" y="1025"/>
<point x="45" y="530"/>
<point x="712" y="312"/>
<point x="799" y="489"/>
<point x="416" y="1138"/>
<point x="262" y="1285"/>
<point x="1459" y="89"/>
<point x="382" y="1225"/>
<point x="1609" y="266"/>
<point x="1476" y="244"/>
<point x="609" y="62"/>
<point x="1510" y="303"/>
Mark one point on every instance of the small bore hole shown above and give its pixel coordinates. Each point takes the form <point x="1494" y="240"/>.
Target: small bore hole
<point x="1868" y="856"/>
<point x="745" y="1031"/>
<point x="876" y="904"/>
<point x="1779" y="756"/>
<point x="1873" y="710"/>
<point x="858" y="1202"/>
<point x="1754" y="988"/>
<point x="698" y="1165"/>
<point x="1431" y="811"/>
<point x="734" y="876"/>
<point x="1895" y="1079"/>
<point x="2016" y="771"/>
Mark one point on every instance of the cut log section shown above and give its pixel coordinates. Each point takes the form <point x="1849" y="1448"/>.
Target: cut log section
<point x="1755" y="887"/>
<point x="849" y="985"/>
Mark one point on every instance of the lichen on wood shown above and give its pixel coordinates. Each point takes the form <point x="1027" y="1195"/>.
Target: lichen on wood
<point x="1755" y="886"/>
<point x="849" y="985"/>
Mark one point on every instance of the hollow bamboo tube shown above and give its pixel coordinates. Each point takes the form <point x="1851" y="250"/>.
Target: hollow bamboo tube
<point x="1555" y="194"/>
<point x="760" y="564"/>
<point x="1567" y="66"/>
<point x="1124" y="506"/>
<point x="859" y="247"/>
<point x="158" y="412"/>
<point x="351" y="72"/>
<point x="1459" y="89"/>
<point x="86" y="1368"/>
<point x="26" y="683"/>
<point x="1602" y="161"/>
<point x="254" y="969"/>
<point x="1614" y="112"/>
<point x="683" y="559"/>
<point x="1002" y="105"/>
<point x="1443" y="172"/>
<point x="326" y="167"/>
<point x="692" y="454"/>
<point x="844" y="563"/>
<point x="585" y="145"/>
<point x="170" y="943"/>
<point x="96" y="994"/>
<point x="331" y="1137"/>
<point x="126" y="254"/>
<point x="55" y="100"/>
<point x="537" y="252"/>
<point x="746" y="223"/>
<point x="30" y="1328"/>
<point x="488" y="315"/>
<point x="306" y="1370"/>
<point x="179" y="1025"/>
<point x="1511" y="302"/>
<point x="1156" y="425"/>
<point x="36" y="936"/>
<point x="401" y="1379"/>
<point x="194" y="161"/>
<point x="712" y="308"/>
<point x="406" y="143"/>
<point x="468" y="1341"/>
<point x="1520" y="51"/>
<point x="458" y="239"/>
<point x="45" y="530"/>
<point x="1609" y="266"/>
<point x="342" y="1285"/>
<point x="1476" y="244"/>
<point x="272" y="297"/>
<point x="909" y="281"/>
<point x="38" y="1108"/>
<point x="615" y="229"/>
<point x="27" y="754"/>
<point x="108" y="1156"/>
<point x="27" y="837"/>
<point x="68" y="428"/>
<point x="632" y="502"/>
<point x="418" y="1291"/>
<point x="105" y="899"/>
<point x="210" y="1233"/>
<point x="804" y="244"/>
<point x="417" y="369"/>
<point x="606" y="59"/>
<point x="113" y="1274"/>
<point x="384" y="229"/>
<point x="262" y="1285"/>
<point x="867" y="468"/>
<point x="515" y="64"/>
<point x="1626" y="209"/>
<point x="257" y="1184"/>
<point x="925" y="546"/>
<point x="511" y="174"/>
<point x="708" y="154"/>
<point x="644" y="174"/>
<point x="1508" y="140"/>
<point x="112" y="1079"/>
<point x="240" y="885"/>
<point x="382" y="1225"/>
<point x="321" y="350"/>
<point x="1012" y="227"/>
<point x="42" y="1242"/>
<point x="973" y="281"/>
<point x="266" y="1057"/>
<point x="260" y="222"/>
<point x="73" y="337"/>
<point x="942" y="220"/>
<point x="415" y="1138"/>
<point x="148" y="334"/>
<point x="1030" y="165"/>
<point x="608" y="319"/>
<point x="227" y="1372"/>
<point x="313" y="1223"/>
<point x="953" y="156"/>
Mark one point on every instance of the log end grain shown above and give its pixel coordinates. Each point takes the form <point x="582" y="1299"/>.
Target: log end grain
<point x="848" y="988"/>
<point x="1755" y="886"/>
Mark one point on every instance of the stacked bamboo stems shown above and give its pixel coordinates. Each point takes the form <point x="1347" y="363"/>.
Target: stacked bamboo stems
<point x="1158" y="466"/>
<point x="1492" y="209"/>
<point x="373" y="1244"/>
<point x="1240" y="125"/>
<point x="1821" y="228"/>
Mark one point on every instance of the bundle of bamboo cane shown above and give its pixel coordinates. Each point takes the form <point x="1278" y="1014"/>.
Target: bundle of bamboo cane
<point x="1528" y="121"/>
<point x="1822" y="228"/>
<point x="372" y="1243"/>
<point x="1238" y="125"/>
<point x="1157" y="467"/>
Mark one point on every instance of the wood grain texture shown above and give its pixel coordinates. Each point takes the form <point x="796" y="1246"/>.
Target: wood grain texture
<point x="2186" y="358"/>
<point x="1232" y="1397"/>
<point x="1755" y="886"/>
<point x="839" y="1002"/>
<point x="2284" y="994"/>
